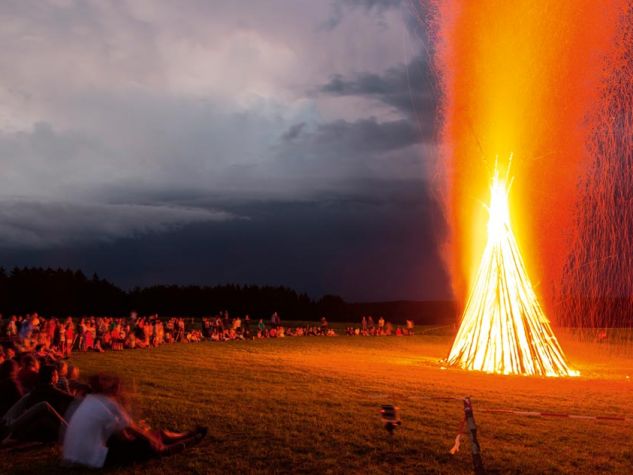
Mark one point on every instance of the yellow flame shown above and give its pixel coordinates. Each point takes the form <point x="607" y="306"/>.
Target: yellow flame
<point x="504" y="329"/>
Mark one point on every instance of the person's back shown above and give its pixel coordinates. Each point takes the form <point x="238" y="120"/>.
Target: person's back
<point x="46" y="391"/>
<point x="10" y="388"/>
<point x="91" y="425"/>
<point x="100" y="432"/>
<point x="28" y="376"/>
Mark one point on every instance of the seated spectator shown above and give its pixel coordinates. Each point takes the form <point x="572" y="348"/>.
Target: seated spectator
<point x="46" y="390"/>
<point x="62" y="383"/>
<point x="101" y="432"/>
<point x="29" y="374"/>
<point x="37" y="415"/>
<point x="77" y="388"/>
<point x="10" y="388"/>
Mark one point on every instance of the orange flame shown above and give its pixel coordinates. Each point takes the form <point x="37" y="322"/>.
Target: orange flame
<point x="504" y="329"/>
<point x="520" y="77"/>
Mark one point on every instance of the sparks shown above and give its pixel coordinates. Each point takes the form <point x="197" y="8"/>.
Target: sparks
<point x="504" y="329"/>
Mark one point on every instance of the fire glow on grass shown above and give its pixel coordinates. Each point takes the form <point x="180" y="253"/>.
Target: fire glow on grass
<point x="504" y="329"/>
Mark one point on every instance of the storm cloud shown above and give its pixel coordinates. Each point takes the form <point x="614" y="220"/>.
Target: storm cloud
<point x="147" y="125"/>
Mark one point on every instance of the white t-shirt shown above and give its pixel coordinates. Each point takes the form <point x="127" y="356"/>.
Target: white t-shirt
<point x="89" y="429"/>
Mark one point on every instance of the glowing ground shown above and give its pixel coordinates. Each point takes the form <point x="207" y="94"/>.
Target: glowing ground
<point x="311" y="405"/>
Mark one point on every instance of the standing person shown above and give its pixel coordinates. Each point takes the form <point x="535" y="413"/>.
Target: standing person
<point x="275" y="319"/>
<point x="381" y="324"/>
<point x="409" y="327"/>
<point x="69" y="329"/>
<point x="206" y="327"/>
<point x="181" y="329"/>
<point x="370" y="322"/>
<point x="12" y="328"/>
<point x="363" y="323"/>
<point x="53" y="333"/>
<point x="219" y="326"/>
<point x="246" y="327"/>
<point x="324" y="326"/>
<point x="26" y="328"/>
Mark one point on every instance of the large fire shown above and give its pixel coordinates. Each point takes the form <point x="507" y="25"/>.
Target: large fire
<point x="504" y="329"/>
<point x="524" y="76"/>
<point x="520" y="76"/>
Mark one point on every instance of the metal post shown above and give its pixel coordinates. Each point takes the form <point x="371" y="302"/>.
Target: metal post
<point x="478" y="464"/>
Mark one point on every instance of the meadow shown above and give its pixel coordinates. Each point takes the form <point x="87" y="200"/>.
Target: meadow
<point x="311" y="405"/>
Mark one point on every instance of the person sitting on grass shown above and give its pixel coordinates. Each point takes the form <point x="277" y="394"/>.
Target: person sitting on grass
<point x="46" y="390"/>
<point x="29" y="373"/>
<point x="101" y="432"/>
<point x="62" y="371"/>
<point x="76" y="387"/>
<point x="38" y="415"/>
<point x="10" y="388"/>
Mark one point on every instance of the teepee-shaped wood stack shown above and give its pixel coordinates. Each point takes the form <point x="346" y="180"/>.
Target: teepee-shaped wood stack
<point x="504" y="329"/>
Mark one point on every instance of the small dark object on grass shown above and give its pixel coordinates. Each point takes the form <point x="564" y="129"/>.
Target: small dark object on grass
<point x="390" y="417"/>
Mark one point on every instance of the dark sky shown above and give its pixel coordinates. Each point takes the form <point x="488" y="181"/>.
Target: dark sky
<point x="276" y="142"/>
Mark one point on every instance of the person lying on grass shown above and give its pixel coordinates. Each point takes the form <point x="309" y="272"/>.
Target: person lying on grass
<point x="101" y="432"/>
<point x="37" y="416"/>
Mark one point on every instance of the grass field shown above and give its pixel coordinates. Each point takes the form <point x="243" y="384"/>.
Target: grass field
<point x="311" y="405"/>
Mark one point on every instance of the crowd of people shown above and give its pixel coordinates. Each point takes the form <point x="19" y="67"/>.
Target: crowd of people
<point x="380" y="328"/>
<point x="42" y="398"/>
<point x="60" y="337"/>
<point x="57" y="338"/>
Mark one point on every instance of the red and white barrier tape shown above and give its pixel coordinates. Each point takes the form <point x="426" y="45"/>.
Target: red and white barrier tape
<point x="537" y="413"/>
<point x="556" y="414"/>
<point x="559" y="415"/>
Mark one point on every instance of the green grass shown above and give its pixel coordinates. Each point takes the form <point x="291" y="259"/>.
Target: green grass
<point x="311" y="405"/>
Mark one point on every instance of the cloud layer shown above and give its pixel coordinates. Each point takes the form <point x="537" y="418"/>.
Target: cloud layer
<point x="133" y="119"/>
<point x="32" y="224"/>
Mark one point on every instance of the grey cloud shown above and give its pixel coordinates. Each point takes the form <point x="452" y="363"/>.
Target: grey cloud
<point x="410" y="88"/>
<point x="34" y="224"/>
<point x="339" y="8"/>
<point x="366" y="135"/>
<point x="293" y="132"/>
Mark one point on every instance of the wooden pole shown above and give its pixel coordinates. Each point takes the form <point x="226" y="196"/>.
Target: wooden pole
<point x="478" y="463"/>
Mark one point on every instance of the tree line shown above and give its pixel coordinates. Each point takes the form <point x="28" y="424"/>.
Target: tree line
<point x="62" y="292"/>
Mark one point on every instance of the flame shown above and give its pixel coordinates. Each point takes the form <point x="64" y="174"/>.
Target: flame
<point x="504" y="329"/>
<point x="522" y="76"/>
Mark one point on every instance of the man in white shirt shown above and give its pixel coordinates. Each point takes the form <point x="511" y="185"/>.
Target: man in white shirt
<point x="96" y="419"/>
<point x="100" y="432"/>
